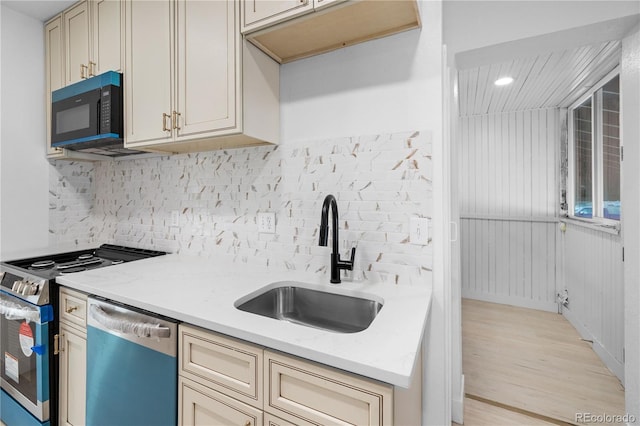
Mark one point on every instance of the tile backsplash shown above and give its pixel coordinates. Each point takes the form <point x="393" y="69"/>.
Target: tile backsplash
<point x="380" y="181"/>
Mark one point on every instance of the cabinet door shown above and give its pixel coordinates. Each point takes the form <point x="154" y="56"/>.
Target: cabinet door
<point x="76" y="42"/>
<point x="259" y="13"/>
<point x="199" y="405"/>
<point x="208" y="53"/>
<point x="148" y="80"/>
<point x="107" y="36"/>
<point x="73" y="372"/>
<point x="306" y="393"/>
<point x="54" y="69"/>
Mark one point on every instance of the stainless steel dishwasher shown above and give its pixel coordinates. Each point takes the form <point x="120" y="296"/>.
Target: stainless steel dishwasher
<point x="131" y="366"/>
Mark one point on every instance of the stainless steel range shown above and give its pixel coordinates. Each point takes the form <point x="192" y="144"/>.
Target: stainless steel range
<point x="29" y="325"/>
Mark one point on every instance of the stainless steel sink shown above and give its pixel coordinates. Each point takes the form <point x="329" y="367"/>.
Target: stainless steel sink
<point x="314" y="308"/>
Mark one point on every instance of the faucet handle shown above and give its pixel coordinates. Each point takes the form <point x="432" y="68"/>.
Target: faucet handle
<point x="350" y="261"/>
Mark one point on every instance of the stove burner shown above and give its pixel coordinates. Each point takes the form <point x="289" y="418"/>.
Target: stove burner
<point x="85" y="256"/>
<point x="72" y="270"/>
<point x="43" y="264"/>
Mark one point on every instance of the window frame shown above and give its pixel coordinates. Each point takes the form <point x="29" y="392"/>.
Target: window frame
<point x="597" y="159"/>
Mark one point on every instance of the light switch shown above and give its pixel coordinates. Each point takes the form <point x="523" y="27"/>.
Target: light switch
<point x="419" y="230"/>
<point x="175" y="218"/>
<point x="267" y="222"/>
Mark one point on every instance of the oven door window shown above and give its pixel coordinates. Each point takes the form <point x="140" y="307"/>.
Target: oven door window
<point x="19" y="364"/>
<point x="75" y="117"/>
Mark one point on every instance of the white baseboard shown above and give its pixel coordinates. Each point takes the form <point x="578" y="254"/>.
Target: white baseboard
<point x="609" y="360"/>
<point x="457" y="405"/>
<point x="521" y="302"/>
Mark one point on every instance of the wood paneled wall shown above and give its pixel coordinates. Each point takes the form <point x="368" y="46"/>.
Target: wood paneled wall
<point x="509" y="201"/>
<point x="593" y="277"/>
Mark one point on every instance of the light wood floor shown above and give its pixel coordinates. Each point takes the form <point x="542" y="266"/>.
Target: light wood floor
<point x="533" y="361"/>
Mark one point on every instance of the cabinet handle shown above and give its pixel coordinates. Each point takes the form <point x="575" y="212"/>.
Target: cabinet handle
<point x="92" y="71"/>
<point x="164" y="122"/>
<point x="176" y="120"/>
<point x="248" y="423"/>
<point x="71" y="309"/>
<point x="82" y="67"/>
<point x="56" y="344"/>
<point x="60" y="345"/>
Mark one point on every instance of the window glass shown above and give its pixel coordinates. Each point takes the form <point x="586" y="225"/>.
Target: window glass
<point x="611" y="148"/>
<point x="583" y="154"/>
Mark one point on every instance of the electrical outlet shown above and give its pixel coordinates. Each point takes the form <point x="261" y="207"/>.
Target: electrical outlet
<point x="419" y="230"/>
<point x="175" y="218"/>
<point x="267" y="222"/>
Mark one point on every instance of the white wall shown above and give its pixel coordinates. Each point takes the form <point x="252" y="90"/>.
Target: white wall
<point x="508" y="200"/>
<point x="385" y="85"/>
<point x="630" y="106"/>
<point x="475" y="24"/>
<point x="24" y="170"/>
<point x="593" y="277"/>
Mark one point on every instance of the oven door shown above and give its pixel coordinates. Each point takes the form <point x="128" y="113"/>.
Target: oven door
<point x="24" y="353"/>
<point x="76" y="117"/>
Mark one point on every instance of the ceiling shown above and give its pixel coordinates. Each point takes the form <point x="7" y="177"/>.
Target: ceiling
<point x="41" y="10"/>
<point x="542" y="81"/>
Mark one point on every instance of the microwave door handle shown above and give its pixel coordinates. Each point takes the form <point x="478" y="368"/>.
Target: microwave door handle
<point x="121" y="324"/>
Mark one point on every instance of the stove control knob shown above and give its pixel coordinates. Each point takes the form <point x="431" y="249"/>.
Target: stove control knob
<point x="17" y="286"/>
<point x="34" y="289"/>
<point x="25" y="288"/>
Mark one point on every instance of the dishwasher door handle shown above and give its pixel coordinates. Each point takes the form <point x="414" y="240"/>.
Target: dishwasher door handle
<point x="118" y="322"/>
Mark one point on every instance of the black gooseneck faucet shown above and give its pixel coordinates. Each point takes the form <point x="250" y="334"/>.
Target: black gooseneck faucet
<point x="336" y="263"/>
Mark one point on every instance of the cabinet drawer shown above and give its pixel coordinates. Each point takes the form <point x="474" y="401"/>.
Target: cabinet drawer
<point x="306" y="393"/>
<point x="200" y="405"/>
<point x="73" y="307"/>
<point x="222" y="363"/>
<point x="271" y="420"/>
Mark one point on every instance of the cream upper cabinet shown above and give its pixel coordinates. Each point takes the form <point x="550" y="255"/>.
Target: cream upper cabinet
<point x="192" y="83"/>
<point x="93" y="39"/>
<point x="258" y="13"/>
<point x="107" y="36"/>
<point x="76" y="42"/>
<point x="206" y="78"/>
<point x="295" y="33"/>
<point x="149" y="77"/>
<point x="54" y="70"/>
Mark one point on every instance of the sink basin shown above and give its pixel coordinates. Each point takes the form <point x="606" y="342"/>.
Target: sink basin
<point x="314" y="308"/>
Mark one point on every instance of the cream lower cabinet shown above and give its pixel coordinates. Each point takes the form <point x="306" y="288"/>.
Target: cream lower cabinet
<point x="200" y="405"/>
<point x="72" y="343"/>
<point x="225" y="381"/>
<point x="306" y="393"/>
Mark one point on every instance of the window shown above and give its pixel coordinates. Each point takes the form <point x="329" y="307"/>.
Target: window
<point x="594" y="153"/>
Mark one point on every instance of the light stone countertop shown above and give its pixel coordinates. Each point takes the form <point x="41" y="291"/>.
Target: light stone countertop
<point x="201" y="292"/>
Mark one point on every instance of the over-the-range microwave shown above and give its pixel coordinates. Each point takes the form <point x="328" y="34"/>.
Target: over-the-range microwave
<point x="87" y="116"/>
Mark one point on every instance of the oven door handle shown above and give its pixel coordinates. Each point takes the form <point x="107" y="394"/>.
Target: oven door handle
<point x="16" y="311"/>
<point x="120" y="323"/>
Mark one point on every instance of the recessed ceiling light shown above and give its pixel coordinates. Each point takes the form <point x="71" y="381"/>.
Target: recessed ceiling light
<point x="503" y="81"/>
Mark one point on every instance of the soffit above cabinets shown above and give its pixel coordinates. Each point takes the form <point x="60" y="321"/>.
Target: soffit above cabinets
<point x="547" y="80"/>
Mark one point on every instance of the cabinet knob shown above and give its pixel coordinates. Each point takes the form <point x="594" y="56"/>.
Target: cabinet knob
<point x="248" y="423"/>
<point x="70" y="309"/>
